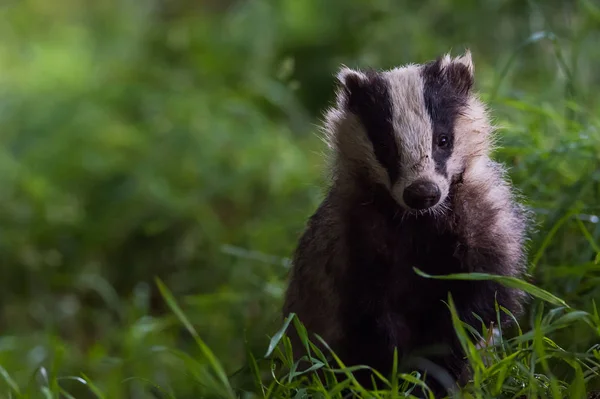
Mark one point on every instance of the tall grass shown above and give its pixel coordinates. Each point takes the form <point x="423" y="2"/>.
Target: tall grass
<point x="523" y="365"/>
<point x="177" y="140"/>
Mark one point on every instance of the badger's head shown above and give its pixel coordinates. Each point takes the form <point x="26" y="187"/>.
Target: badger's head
<point x="414" y="129"/>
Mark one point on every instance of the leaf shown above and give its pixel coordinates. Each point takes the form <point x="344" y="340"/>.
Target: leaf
<point x="507" y="281"/>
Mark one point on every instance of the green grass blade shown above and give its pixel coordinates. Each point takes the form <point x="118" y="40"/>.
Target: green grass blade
<point x="394" y="381"/>
<point x="588" y="237"/>
<point x="339" y="387"/>
<point x="417" y="382"/>
<point x="11" y="383"/>
<point x="253" y="365"/>
<point x="95" y="390"/>
<point x="279" y="335"/>
<point x="206" y="351"/>
<point x="47" y="393"/>
<point x="66" y="394"/>
<point x="548" y="239"/>
<point x="344" y="369"/>
<point x="150" y="383"/>
<point x="511" y="282"/>
<point x="533" y="38"/>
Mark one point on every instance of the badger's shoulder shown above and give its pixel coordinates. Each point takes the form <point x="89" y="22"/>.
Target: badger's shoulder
<point x="490" y="215"/>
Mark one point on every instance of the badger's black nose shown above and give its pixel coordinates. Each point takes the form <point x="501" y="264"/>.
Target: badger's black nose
<point x="421" y="194"/>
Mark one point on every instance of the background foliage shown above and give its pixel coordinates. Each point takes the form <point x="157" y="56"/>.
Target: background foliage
<point x="178" y="139"/>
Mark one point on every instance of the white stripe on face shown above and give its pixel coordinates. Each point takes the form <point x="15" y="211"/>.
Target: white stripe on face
<point x="414" y="132"/>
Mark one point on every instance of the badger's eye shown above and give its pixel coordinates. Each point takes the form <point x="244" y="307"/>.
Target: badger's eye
<point x="443" y="141"/>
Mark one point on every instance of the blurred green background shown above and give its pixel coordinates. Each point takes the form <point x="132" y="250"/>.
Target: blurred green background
<point x="179" y="139"/>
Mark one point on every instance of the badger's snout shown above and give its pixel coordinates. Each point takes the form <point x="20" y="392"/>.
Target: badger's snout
<point x="421" y="194"/>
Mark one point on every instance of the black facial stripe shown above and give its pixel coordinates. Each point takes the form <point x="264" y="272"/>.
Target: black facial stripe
<point x="371" y="102"/>
<point x="446" y="93"/>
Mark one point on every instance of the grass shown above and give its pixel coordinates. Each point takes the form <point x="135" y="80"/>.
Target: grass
<point x="515" y="367"/>
<point x="176" y="141"/>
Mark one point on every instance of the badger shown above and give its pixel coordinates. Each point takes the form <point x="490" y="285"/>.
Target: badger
<point x="412" y="185"/>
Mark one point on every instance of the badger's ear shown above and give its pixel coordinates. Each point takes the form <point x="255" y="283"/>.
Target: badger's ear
<point x="351" y="84"/>
<point x="350" y="79"/>
<point x="467" y="60"/>
<point x="460" y="73"/>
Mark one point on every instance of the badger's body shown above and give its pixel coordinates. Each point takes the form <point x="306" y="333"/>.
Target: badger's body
<point x="412" y="186"/>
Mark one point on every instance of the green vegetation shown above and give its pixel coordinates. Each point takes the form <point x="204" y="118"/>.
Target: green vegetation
<point x="177" y="140"/>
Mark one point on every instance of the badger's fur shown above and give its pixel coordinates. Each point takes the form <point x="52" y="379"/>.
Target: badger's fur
<point x="413" y="185"/>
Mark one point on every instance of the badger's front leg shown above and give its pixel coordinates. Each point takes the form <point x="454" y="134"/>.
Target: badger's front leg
<point x="491" y="229"/>
<point x="474" y="302"/>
